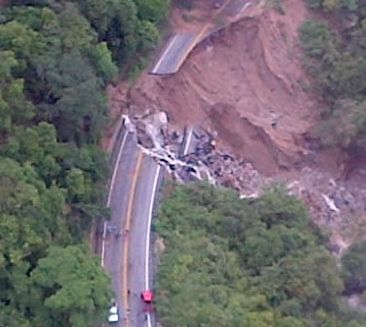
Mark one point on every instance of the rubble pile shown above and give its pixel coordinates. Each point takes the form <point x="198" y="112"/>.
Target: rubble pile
<point x="203" y="160"/>
<point x="224" y="167"/>
<point x="334" y="205"/>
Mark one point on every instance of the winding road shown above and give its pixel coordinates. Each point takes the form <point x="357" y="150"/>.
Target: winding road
<point x="180" y="45"/>
<point x="125" y="248"/>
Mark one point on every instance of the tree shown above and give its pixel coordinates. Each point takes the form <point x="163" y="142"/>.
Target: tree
<point x="346" y="125"/>
<point x="332" y="5"/>
<point x="276" y="207"/>
<point x="338" y="65"/>
<point x="152" y="10"/>
<point x="148" y="36"/>
<point x="233" y="262"/>
<point x="52" y="174"/>
<point x="20" y="39"/>
<point x="127" y="26"/>
<point x="102" y="60"/>
<point x="116" y="23"/>
<point x="70" y="287"/>
<point x="317" y="39"/>
<point x="354" y="268"/>
<point x="290" y="322"/>
<point x="14" y="108"/>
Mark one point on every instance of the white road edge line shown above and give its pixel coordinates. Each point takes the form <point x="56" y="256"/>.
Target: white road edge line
<point x="115" y="169"/>
<point x="155" y="69"/>
<point x="186" y="147"/>
<point x="147" y="249"/>
<point x="103" y="242"/>
<point x="244" y="7"/>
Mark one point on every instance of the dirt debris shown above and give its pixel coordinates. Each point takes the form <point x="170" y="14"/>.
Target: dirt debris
<point x="335" y="205"/>
<point x="244" y="88"/>
<point x="117" y="103"/>
<point x="238" y="82"/>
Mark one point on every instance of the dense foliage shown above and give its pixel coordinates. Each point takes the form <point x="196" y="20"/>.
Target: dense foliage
<point x="354" y="268"/>
<point x="231" y="262"/>
<point x="336" y="56"/>
<point x="56" y="57"/>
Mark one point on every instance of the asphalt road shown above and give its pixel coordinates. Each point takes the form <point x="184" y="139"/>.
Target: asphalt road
<point x="173" y="54"/>
<point x="139" y="261"/>
<point x="180" y="45"/>
<point x="112" y="249"/>
<point x="126" y="235"/>
<point x="125" y="244"/>
<point x="235" y="7"/>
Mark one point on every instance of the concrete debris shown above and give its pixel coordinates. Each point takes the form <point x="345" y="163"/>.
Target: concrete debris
<point x="250" y="196"/>
<point x="128" y="124"/>
<point x="164" y="144"/>
<point x="151" y="129"/>
<point x="143" y="135"/>
<point x="330" y="203"/>
<point x="334" y="205"/>
<point x="193" y="155"/>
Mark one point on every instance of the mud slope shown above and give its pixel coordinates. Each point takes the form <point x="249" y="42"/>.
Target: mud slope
<point x="245" y="82"/>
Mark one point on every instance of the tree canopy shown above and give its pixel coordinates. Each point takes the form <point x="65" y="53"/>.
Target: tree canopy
<point x="354" y="268"/>
<point x="233" y="262"/>
<point x="56" y="58"/>
<point x="335" y="54"/>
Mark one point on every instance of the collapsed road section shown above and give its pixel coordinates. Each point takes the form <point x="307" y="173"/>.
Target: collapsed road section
<point x="194" y="154"/>
<point x="180" y="45"/>
<point x="174" y="54"/>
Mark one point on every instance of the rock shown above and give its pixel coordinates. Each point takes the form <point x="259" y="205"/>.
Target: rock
<point x="330" y="203"/>
<point x="338" y="200"/>
<point x="143" y="138"/>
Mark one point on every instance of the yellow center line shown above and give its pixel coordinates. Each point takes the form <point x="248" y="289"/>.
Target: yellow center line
<point x="126" y="240"/>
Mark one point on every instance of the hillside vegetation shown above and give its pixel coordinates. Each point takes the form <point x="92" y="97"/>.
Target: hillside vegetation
<point x="336" y="56"/>
<point x="248" y="263"/>
<point x="56" y="58"/>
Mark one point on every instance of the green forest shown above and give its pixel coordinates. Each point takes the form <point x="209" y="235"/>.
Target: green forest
<point x="56" y="58"/>
<point x="250" y="263"/>
<point x="228" y="262"/>
<point x="259" y="263"/>
<point x="335" y="54"/>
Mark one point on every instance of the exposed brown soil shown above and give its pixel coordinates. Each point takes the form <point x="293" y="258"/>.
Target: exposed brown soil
<point x="190" y="20"/>
<point x="240" y="82"/>
<point x="246" y="84"/>
<point x="118" y="104"/>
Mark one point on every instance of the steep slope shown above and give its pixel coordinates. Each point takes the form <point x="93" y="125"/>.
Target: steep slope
<point x="246" y="83"/>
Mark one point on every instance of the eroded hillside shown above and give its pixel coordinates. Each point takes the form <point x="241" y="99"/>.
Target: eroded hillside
<point x="246" y="85"/>
<point x="246" y="82"/>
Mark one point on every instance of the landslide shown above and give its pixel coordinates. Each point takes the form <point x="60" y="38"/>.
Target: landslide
<point x="246" y="83"/>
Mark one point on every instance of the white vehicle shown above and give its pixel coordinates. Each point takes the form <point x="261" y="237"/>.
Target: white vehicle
<point x="113" y="315"/>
